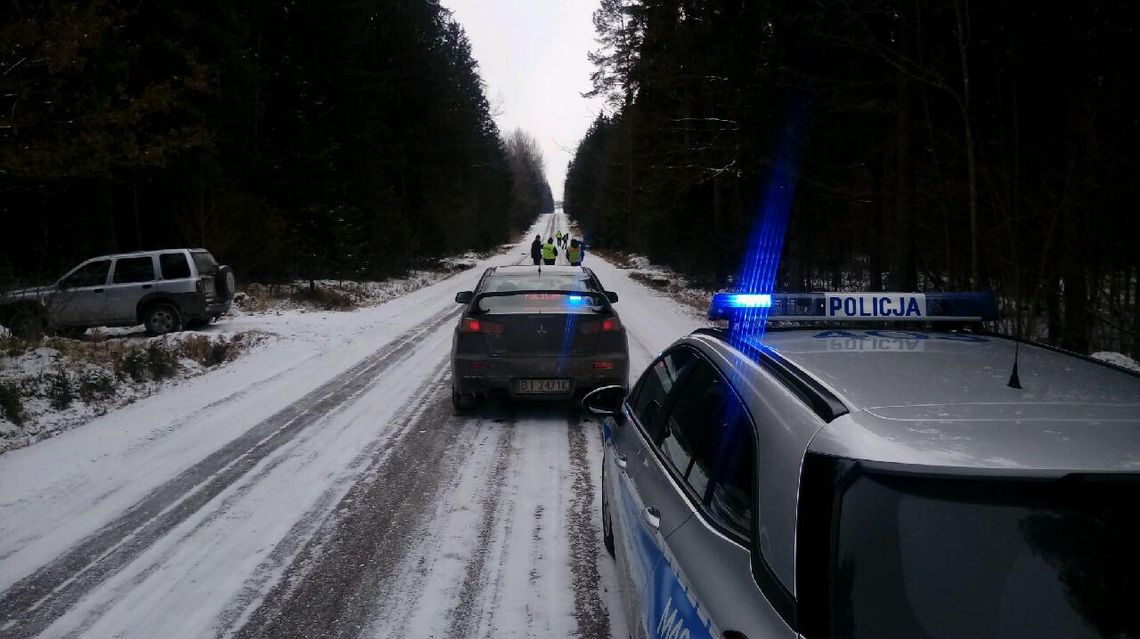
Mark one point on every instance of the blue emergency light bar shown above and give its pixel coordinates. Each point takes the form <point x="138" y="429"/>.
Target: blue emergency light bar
<point x="855" y="307"/>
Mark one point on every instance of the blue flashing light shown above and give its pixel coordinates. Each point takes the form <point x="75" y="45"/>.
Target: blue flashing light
<point x="575" y="300"/>
<point x="749" y="300"/>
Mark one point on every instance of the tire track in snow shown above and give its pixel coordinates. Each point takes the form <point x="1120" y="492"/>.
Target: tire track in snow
<point x="321" y="521"/>
<point x="339" y="579"/>
<point x="316" y="517"/>
<point x="464" y="618"/>
<point x="34" y="602"/>
<point x="589" y="611"/>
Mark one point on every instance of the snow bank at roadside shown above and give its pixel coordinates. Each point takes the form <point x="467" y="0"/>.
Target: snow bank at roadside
<point x="1117" y="359"/>
<point x="661" y="278"/>
<point x="62" y="383"/>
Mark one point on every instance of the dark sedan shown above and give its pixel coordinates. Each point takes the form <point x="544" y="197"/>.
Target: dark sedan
<point x="531" y="333"/>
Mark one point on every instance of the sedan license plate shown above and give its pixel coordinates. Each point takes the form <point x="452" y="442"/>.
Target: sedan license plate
<point x="539" y="386"/>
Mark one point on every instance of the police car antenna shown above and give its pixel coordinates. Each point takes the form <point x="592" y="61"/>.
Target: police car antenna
<point x="1014" y="380"/>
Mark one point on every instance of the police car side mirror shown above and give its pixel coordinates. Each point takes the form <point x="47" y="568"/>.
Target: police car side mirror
<point x="612" y="297"/>
<point x="464" y="297"/>
<point x="605" y="401"/>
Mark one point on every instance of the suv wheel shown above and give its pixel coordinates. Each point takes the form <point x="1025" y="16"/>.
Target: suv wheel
<point x="161" y="319"/>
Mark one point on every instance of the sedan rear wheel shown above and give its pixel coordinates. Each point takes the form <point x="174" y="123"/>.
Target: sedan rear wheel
<point x="462" y="401"/>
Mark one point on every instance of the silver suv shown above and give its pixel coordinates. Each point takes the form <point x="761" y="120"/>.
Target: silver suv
<point x="163" y="290"/>
<point x="853" y="481"/>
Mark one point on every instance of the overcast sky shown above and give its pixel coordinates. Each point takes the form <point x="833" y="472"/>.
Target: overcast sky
<point x="532" y="56"/>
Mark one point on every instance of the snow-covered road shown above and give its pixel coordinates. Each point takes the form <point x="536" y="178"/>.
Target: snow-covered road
<point x="323" y="487"/>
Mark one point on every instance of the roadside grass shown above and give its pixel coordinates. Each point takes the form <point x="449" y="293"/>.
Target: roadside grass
<point x="49" y="385"/>
<point x="696" y="295"/>
<point x="347" y="295"/>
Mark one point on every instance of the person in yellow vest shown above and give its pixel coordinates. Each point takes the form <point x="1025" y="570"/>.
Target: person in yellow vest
<point x="574" y="253"/>
<point x="549" y="253"/>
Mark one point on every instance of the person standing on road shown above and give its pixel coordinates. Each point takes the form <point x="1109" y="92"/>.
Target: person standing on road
<point x="575" y="253"/>
<point x="549" y="253"/>
<point x="536" y="250"/>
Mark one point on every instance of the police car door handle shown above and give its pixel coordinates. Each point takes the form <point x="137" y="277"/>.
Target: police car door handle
<point x="652" y="516"/>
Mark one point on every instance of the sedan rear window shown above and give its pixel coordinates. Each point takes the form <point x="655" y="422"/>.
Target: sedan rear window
<point x="537" y="282"/>
<point x="951" y="559"/>
<point x="539" y="294"/>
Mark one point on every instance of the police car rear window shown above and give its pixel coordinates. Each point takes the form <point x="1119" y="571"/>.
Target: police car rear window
<point x="949" y="558"/>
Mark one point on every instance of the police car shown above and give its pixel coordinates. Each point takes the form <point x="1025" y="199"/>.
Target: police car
<point x="846" y="477"/>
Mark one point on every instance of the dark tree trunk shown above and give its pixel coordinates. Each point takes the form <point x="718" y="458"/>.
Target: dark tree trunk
<point x="904" y="270"/>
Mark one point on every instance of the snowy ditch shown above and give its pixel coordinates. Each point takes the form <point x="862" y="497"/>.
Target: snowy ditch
<point x="59" y="383"/>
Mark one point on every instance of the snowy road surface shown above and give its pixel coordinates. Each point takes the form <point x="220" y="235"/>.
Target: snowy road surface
<point x="322" y="487"/>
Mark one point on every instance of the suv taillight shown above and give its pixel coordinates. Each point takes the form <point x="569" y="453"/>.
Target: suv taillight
<point x="201" y="286"/>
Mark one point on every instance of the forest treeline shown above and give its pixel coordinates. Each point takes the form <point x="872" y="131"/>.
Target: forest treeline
<point x="298" y="139"/>
<point x="933" y="145"/>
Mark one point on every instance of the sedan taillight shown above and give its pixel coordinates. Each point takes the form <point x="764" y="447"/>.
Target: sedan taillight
<point x="472" y="325"/>
<point x="608" y="325"/>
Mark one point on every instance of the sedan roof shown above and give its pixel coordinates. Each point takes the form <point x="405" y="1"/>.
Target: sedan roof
<point x="528" y="270"/>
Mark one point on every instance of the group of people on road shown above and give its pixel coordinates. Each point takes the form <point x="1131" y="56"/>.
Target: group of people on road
<point x="547" y="252"/>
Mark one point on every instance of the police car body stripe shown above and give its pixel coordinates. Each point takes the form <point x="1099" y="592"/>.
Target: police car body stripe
<point x="670" y="609"/>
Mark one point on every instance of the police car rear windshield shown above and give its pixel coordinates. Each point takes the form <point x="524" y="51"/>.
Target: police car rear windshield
<point x="539" y="293"/>
<point x="970" y="558"/>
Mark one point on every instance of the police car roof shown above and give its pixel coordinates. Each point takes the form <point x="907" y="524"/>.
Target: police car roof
<point x="941" y="399"/>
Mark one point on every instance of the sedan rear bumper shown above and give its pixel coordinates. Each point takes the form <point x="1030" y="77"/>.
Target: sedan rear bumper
<point x="485" y="375"/>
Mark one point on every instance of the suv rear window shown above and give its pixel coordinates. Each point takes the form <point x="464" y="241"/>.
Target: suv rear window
<point x="174" y="266"/>
<point x="133" y="269"/>
<point x="949" y="558"/>
<point x="205" y="263"/>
